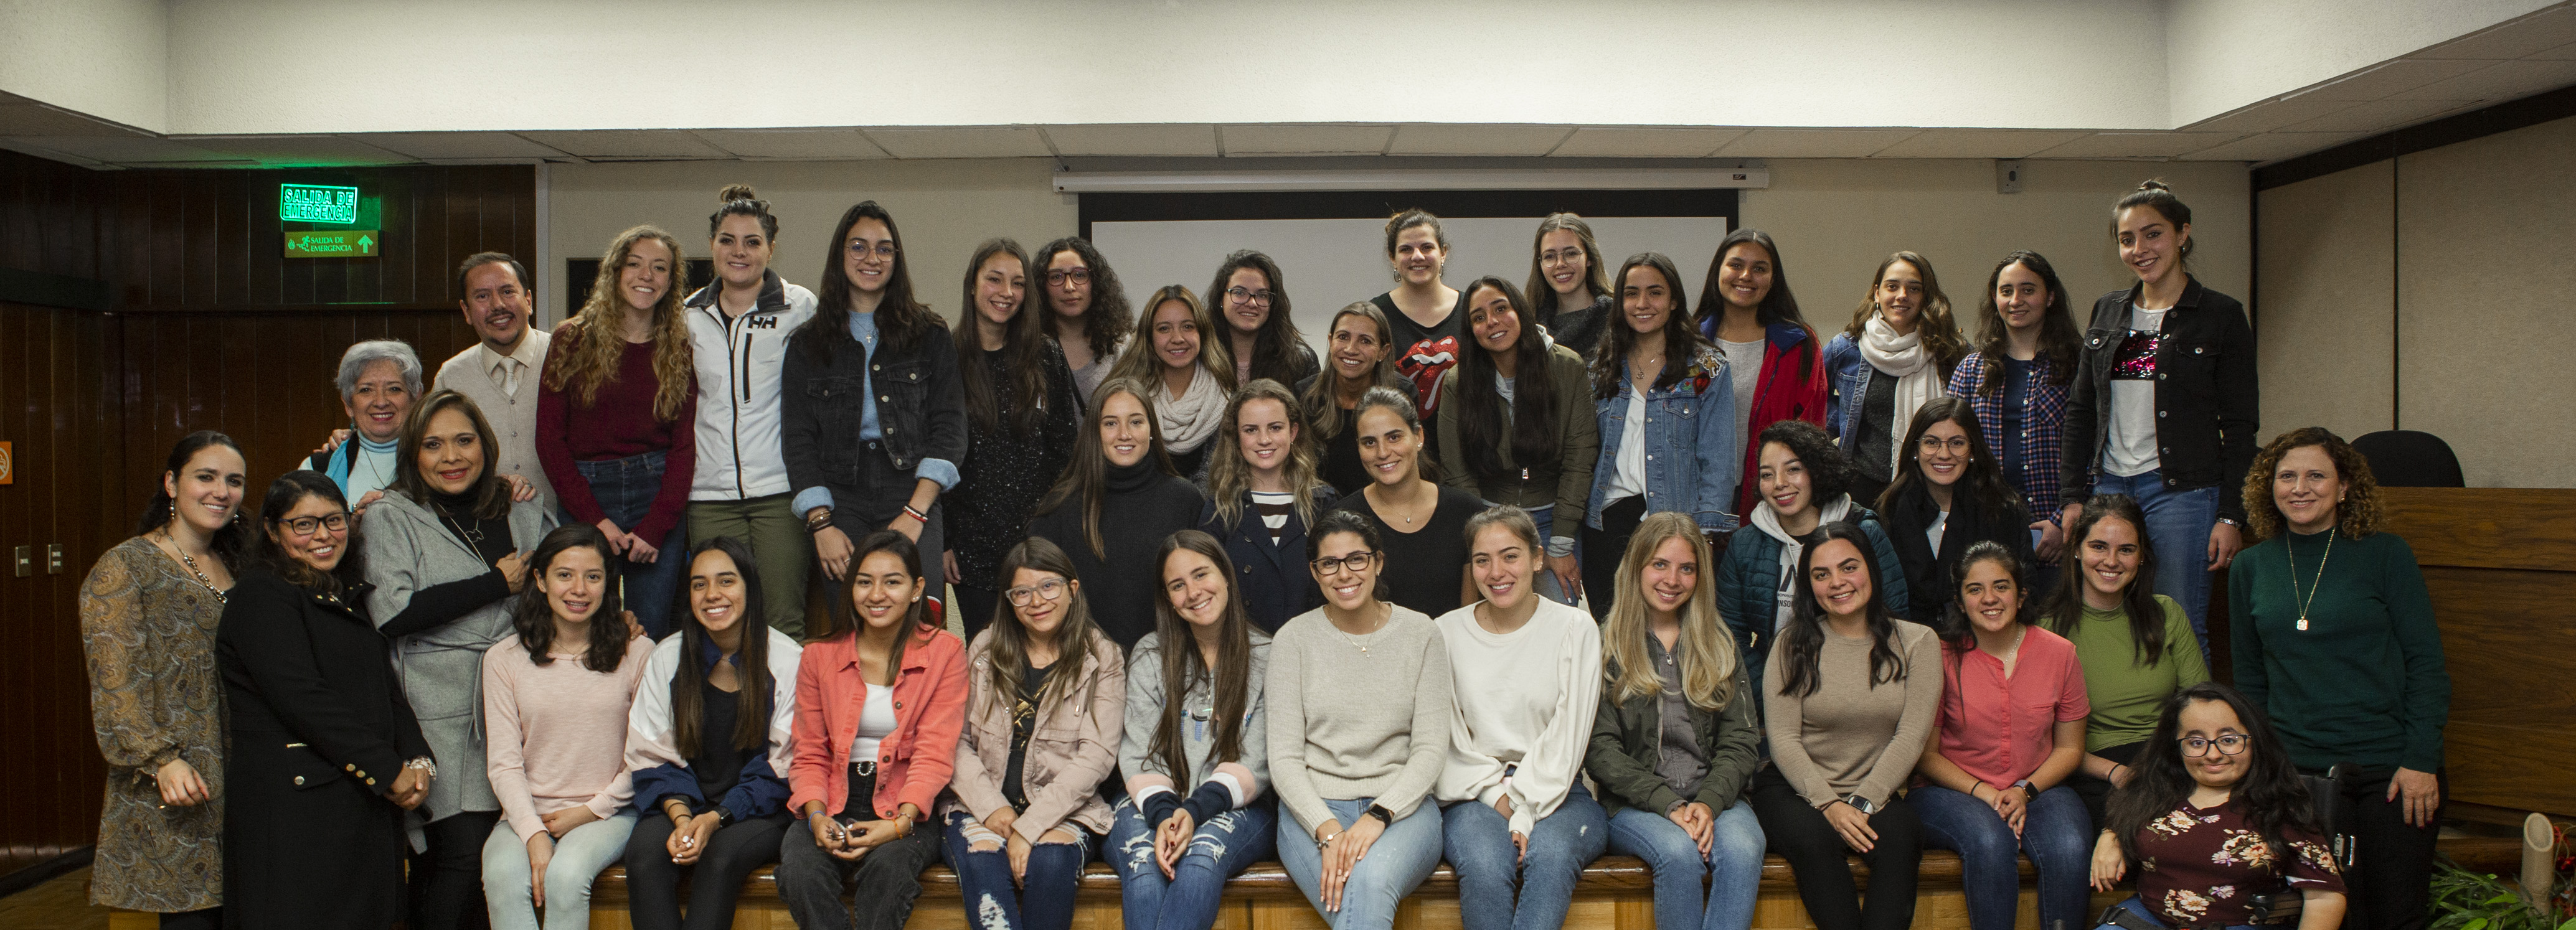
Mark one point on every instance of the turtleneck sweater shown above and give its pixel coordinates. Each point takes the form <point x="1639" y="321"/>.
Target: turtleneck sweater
<point x="1140" y="504"/>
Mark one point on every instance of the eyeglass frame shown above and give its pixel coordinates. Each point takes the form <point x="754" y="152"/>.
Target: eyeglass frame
<point x="1262" y="298"/>
<point x="1931" y="442"/>
<point x="1025" y="595"/>
<point x="1562" y="256"/>
<point x="2244" y="741"/>
<point x="884" y="251"/>
<point x="1056" y="277"/>
<point x="318" y="523"/>
<point x="1354" y="563"/>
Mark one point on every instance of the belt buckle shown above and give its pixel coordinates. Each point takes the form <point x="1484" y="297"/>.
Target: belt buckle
<point x="865" y="768"/>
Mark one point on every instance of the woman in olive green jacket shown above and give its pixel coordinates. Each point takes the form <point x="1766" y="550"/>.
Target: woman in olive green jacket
<point x="1522" y="430"/>
<point x="1674" y="744"/>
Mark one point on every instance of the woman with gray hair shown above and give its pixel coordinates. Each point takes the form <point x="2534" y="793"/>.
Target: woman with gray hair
<point x="379" y="379"/>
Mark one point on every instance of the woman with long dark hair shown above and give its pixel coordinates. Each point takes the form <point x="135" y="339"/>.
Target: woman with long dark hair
<point x="879" y="702"/>
<point x="2017" y="380"/>
<point x="2135" y="644"/>
<point x="875" y="419"/>
<point x="1571" y="297"/>
<point x="1894" y="357"/>
<point x="1802" y="481"/>
<point x="148" y="613"/>
<point x="326" y="757"/>
<point x="1948" y="496"/>
<point x="706" y="743"/>
<point x="1262" y="497"/>
<point x="1251" y="296"/>
<point x="1773" y="357"/>
<point x="1114" y="505"/>
<point x="1523" y="433"/>
<point x="2218" y="812"/>
<point x="1661" y="396"/>
<point x="1178" y="352"/>
<point x="1359" y="357"/>
<point x="1423" y="524"/>
<point x="1086" y="309"/>
<point x="556" y="697"/>
<point x="1022" y="412"/>
<point x="617" y="417"/>
<point x="1852" y="699"/>
<point x="1025" y="813"/>
<point x="1196" y="746"/>
<point x="2009" y="732"/>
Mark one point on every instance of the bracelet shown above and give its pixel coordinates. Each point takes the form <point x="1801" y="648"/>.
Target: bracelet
<point x="821" y="519"/>
<point x="917" y="516"/>
<point x="2114" y="772"/>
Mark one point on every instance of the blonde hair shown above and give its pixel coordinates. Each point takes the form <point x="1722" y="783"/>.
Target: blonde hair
<point x="1705" y="651"/>
<point x="592" y="358"/>
<point x="1229" y="475"/>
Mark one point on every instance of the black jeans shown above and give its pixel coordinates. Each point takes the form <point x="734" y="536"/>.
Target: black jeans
<point x="1604" y="547"/>
<point x="876" y="500"/>
<point x="209" y="919"/>
<point x="2390" y="882"/>
<point x="888" y="879"/>
<point x="653" y="881"/>
<point x="2096" y="792"/>
<point x="447" y="880"/>
<point x="1802" y="835"/>
<point x="974" y="606"/>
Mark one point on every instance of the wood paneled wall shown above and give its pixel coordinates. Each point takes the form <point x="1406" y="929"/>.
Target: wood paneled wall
<point x="209" y="327"/>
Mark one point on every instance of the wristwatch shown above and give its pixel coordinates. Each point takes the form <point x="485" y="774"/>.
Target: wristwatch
<point x="724" y="815"/>
<point x="1860" y="804"/>
<point x="2029" y="793"/>
<point x="1385" y="818"/>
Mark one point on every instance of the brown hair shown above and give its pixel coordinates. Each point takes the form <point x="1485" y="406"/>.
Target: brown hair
<point x="1940" y="331"/>
<point x="1006" y="644"/>
<point x="2154" y="193"/>
<point x="1105" y="321"/>
<point x="1229" y="476"/>
<point x="589" y="359"/>
<point x="2059" y="340"/>
<point x="1086" y="481"/>
<point x="2356" y="516"/>
<point x="1542" y="295"/>
<point x="1322" y="399"/>
<point x="489" y="495"/>
<point x="1231" y="679"/>
<point x="1023" y="351"/>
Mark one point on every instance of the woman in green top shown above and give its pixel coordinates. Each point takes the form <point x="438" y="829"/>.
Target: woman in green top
<point x="2334" y="638"/>
<point x="2136" y="645"/>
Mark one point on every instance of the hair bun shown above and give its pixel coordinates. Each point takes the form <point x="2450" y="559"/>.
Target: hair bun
<point x="734" y="192"/>
<point x="2147" y="185"/>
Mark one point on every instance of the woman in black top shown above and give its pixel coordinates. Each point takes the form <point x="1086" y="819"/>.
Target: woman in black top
<point x="1111" y="510"/>
<point x="1422" y="525"/>
<point x="1569" y="291"/>
<point x="326" y="755"/>
<point x="1429" y="316"/>
<point x="1021" y="414"/>
<point x="1263" y="495"/>
<point x="1361" y="358"/>
<point x="1250" y="297"/>
<point x="1948" y="495"/>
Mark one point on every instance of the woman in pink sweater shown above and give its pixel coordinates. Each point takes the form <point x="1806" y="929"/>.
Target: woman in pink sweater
<point x="555" y="700"/>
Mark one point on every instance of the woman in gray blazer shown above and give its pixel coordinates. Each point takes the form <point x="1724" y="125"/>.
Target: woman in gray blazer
<point x="444" y="550"/>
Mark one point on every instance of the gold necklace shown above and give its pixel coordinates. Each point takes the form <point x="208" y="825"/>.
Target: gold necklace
<point x="2312" y="589"/>
<point x="191" y="563"/>
<point x="1354" y="640"/>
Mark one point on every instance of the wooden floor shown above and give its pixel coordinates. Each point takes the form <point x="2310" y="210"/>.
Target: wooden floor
<point x="60" y="904"/>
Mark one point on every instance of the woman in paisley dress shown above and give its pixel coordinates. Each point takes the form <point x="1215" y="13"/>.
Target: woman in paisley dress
<point x="148" y="614"/>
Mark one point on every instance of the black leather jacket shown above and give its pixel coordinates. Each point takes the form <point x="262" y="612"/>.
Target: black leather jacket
<point x="921" y="404"/>
<point x="2207" y="401"/>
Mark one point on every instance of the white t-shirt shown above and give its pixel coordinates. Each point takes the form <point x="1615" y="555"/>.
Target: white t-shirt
<point x="876" y="722"/>
<point x="1940" y="523"/>
<point x="1628" y="475"/>
<point x="2130" y="449"/>
<point x="1744" y="364"/>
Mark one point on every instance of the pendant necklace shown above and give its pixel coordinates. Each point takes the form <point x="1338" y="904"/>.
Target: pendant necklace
<point x="191" y="563"/>
<point x="2312" y="589"/>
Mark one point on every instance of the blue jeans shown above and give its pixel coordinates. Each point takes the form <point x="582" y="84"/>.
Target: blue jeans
<point x="1396" y="864"/>
<point x="1221" y="849"/>
<point x="2057" y="834"/>
<point x="1732" y="867"/>
<point x="579" y="856"/>
<point x="2178" y="523"/>
<point x="625" y="489"/>
<point x="1548" y="586"/>
<point x="1044" y="901"/>
<point x="1490" y="868"/>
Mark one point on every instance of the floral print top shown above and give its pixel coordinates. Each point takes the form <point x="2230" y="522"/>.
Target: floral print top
<point x="2201" y="866"/>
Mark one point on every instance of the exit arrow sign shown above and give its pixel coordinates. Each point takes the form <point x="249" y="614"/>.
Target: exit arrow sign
<point x="334" y="243"/>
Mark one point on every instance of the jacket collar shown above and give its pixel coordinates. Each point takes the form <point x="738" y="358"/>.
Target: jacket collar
<point x="773" y="295"/>
<point x="2191" y="291"/>
<point x="913" y="660"/>
<point x="1785" y="336"/>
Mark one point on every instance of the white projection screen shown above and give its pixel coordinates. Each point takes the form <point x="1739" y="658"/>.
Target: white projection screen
<point x="1329" y="263"/>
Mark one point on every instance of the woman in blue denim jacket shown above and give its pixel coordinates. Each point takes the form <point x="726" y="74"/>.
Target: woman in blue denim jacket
<point x="1653" y="368"/>
<point x="1895" y="356"/>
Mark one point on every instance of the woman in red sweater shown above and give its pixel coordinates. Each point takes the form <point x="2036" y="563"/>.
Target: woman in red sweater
<point x="616" y="418"/>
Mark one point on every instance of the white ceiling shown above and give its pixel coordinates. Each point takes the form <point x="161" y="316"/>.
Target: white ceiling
<point x="2516" y="58"/>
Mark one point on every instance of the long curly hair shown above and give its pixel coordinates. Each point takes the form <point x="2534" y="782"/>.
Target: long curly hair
<point x="1705" y="651"/>
<point x="589" y="359"/>
<point x="1940" y="331"/>
<point x="534" y="617"/>
<point x="1183" y="666"/>
<point x="1274" y="347"/>
<point x="2059" y="341"/>
<point x="2356" y="516"/>
<point x="1105" y="322"/>
<point x="2272" y="796"/>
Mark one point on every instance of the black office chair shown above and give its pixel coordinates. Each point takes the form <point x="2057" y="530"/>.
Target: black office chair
<point x="2405" y="458"/>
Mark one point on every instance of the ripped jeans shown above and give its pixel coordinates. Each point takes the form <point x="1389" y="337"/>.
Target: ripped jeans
<point x="1042" y="901"/>
<point x="1222" y="848"/>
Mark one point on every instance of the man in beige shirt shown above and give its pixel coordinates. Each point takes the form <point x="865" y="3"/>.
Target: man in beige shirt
<point x="500" y="373"/>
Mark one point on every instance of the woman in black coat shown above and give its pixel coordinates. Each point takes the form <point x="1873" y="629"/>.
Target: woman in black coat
<point x="326" y="755"/>
<point x="1949" y="494"/>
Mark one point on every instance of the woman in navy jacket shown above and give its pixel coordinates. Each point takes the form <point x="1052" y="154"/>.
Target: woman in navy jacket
<point x="1264" y="493"/>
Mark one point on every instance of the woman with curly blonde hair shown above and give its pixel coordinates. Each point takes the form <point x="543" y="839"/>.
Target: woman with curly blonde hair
<point x="2335" y="640"/>
<point x="617" y="414"/>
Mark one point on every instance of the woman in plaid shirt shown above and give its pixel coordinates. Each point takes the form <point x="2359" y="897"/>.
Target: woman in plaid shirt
<point x="2017" y="381"/>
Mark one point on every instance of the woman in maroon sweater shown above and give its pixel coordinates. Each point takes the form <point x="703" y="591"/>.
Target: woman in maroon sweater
<point x="615" y="417"/>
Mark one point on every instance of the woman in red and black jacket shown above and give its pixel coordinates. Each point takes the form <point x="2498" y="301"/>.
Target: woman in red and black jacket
<point x="1745" y="308"/>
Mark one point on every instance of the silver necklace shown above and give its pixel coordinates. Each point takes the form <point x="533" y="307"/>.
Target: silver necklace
<point x="191" y="563"/>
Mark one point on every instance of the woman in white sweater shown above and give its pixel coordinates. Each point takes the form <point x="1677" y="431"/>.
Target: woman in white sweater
<point x="1527" y="675"/>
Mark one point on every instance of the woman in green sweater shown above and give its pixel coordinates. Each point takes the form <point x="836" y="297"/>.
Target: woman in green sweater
<point x="2335" y="639"/>
<point x="2136" y="645"/>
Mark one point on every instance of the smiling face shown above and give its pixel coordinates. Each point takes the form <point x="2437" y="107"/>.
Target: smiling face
<point x="1645" y="299"/>
<point x="1783" y="481"/>
<point x="1744" y="276"/>
<point x="1840" y="578"/>
<point x="206" y="491"/>
<point x="1942" y="453"/>
<point x="1068" y="284"/>
<point x="320" y="549"/>
<point x="1388" y="446"/>
<point x="1418" y="256"/>
<point x="867" y="255"/>
<point x="999" y="287"/>
<point x="1562" y="259"/>
<point x="1042" y="617"/>
<point x="1265" y="435"/>
<point x="1358" y="347"/>
<point x="1247" y="299"/>
<point x="1125" y="435"/>
<point x="1990" y="597"/>
<point x="645" y="275"/>
<point x="573" y="584"/>
<point x="2213" y="721"/>
<point x="379" y="401"/>
<point x="2021" y="297"/>
<point x="1900" y="296"/>
<point x="2149" y="244"/>
<point x="2110" y="556"/>
<point x="495" y="305"/>
<point x="741" y="251"/>
<point x="717" y="594"/>
<point x="2306" y="487"/>
<point x="1196" y="587"/>
<point x="1502" y="564"/>
<point x="882" y="591"/>
<point x="1175" y="335"/>
<point x="1345" y="587"/>
<point x="451" y="452"/>
<point x="1670" y="577"/>
<point x="1490" y="317"/>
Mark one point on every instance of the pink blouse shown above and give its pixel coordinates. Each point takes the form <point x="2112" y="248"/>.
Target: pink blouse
<point x="2000" y="729"/>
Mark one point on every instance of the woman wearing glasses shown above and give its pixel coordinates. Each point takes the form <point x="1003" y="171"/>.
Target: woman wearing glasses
<point x="1252" y="296"/>
<point x="1568" y="292"/>
<point x="1359" y="701"/>
<point x="1086" y="309"/>
<point x="1179" y="354"/>
<point x="1021" y="414"/>
<point x="1948" y="495"/>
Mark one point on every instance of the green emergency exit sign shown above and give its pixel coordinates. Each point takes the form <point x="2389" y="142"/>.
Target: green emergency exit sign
<point x="335" y="243"/>
<point x="317" y="203"/>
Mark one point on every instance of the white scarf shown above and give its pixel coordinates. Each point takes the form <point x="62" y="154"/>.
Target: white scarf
<point x="1190" y="420"/>
<point x="1905" y="359"/>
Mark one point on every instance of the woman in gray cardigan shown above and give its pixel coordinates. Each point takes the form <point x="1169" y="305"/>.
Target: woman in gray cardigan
<point x="444" y="550"/>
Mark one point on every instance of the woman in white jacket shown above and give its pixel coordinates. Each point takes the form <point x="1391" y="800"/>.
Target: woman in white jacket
<point x="1515" y="815"/>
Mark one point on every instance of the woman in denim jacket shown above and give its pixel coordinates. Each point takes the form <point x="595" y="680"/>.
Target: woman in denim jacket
<point x="1895" y="356"/>
<point x="1653" y="368"/>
